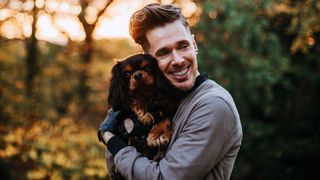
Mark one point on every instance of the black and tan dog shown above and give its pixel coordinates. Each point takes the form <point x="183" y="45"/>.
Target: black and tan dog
<point x="140" y="92"/>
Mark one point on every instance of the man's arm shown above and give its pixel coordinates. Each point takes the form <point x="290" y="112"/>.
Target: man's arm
<point x="204" y="141"/>
<point x="110" y="163"/>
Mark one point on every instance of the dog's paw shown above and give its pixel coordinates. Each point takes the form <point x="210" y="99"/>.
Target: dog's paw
<point x="158" y="136"/>
<point x="157" y="141"/>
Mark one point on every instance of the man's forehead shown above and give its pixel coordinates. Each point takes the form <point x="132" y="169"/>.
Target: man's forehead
<point x="168" y="35"/>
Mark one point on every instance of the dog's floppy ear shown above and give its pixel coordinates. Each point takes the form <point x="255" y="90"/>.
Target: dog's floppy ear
<point x="164" y="86"/>
<point x="118" y="89"/>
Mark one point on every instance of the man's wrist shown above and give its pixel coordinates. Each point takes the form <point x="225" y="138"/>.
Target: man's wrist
<point x="115" y="144"/>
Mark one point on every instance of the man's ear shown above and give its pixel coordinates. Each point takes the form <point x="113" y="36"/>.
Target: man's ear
<point x="195" y="44"/>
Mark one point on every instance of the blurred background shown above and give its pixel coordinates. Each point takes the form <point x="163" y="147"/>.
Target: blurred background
<point x="55" y="61"/>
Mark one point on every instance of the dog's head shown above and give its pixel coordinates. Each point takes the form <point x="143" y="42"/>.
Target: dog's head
<point x="134" y="75"/>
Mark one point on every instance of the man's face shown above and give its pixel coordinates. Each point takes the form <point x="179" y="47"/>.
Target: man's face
<point x="174" y="48"/>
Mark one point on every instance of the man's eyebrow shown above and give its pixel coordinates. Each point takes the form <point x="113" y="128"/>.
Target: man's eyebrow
<point x="162" y="49"/>
<point x="183" y="41"/>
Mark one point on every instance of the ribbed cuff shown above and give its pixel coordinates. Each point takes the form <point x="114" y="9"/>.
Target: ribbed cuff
<point x="115" y="144"/>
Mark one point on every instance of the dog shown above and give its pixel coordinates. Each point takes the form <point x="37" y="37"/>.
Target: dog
<point x="140" y="92"/>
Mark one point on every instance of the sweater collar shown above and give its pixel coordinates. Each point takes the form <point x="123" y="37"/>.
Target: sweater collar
<point x="199" y="80"/>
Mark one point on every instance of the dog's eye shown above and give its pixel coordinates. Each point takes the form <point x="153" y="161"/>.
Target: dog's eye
<point x="147" y="68"/>
<point x="127" y="74"/>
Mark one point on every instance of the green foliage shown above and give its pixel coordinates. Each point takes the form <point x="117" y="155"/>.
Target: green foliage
<point x="304" y="23"/>
<point x="46" y="136"/>
<point x="266" y="53"/>
<point x="238" y="50"/>
<point x="59" y="150"/>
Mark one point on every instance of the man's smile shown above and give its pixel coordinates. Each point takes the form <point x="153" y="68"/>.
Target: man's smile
<point x="181" y="72"/>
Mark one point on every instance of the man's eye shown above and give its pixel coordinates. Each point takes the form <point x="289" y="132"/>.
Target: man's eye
<point x="183" y="46"/>
<point x="162" y="53"/>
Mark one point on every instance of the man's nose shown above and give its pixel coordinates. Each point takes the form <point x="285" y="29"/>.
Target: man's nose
<point x="176" y="57"/>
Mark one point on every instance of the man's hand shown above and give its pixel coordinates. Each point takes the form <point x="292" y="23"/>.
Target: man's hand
<point x="107" y="136"/>
<point x="128" y="125"/>
<point x="110" y="121"/>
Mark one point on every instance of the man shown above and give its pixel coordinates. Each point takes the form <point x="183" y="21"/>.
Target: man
<point x="207" y="130"/>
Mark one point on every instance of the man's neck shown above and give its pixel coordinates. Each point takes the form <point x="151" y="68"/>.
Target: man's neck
<point x="199" y="80"/>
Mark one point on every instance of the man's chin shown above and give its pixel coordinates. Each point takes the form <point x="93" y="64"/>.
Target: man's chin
<point x="183" y="86"/>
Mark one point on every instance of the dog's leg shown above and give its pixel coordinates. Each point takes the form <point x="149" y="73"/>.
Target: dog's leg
<point x="160" y="133"/>
<point x="144" y="117"/>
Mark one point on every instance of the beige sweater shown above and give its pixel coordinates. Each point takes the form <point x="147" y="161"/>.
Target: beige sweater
<point x="206" y="140"/>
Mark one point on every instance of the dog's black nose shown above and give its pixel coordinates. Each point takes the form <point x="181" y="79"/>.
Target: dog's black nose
<point x="137" y="76"/>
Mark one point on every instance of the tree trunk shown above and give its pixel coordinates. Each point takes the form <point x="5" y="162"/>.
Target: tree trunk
<point x="86" y="58"/>
<point x="86" y="54"/>
<point x="32" y="57"/>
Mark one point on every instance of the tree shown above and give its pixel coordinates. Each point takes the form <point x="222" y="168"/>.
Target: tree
<point x="17" y="10"/>
<point x="87" y="49"/>
<point x="239" y="50"/>
<point x="32" y="53"/>
<point x="266" y="54"/>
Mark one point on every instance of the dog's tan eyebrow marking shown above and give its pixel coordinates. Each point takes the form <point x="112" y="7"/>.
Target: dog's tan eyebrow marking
<point x="128" y="68"/>
<point x="144" y="63"/>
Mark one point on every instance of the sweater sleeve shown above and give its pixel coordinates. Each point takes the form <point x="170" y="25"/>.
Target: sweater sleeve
<point x="204" y="140"/>
<point x="110" y="163"/>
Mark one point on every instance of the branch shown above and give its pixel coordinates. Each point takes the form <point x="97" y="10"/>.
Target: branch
<point x="5" y="4"/>
<point x="100" y="13"/>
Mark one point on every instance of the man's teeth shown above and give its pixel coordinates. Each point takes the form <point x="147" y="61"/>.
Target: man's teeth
<point x="182" y="72"/>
